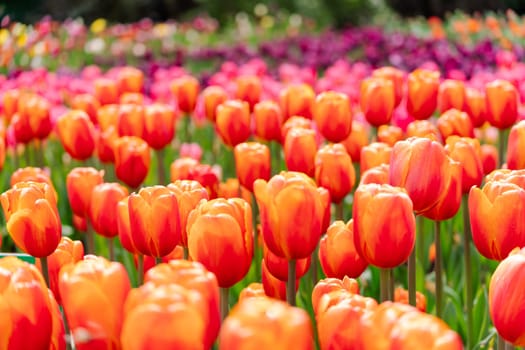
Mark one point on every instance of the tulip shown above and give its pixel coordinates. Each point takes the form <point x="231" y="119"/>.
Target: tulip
<point x="295" y="122"/>
<point x="297" y="100"/>
<point x="108" y="116"/>
<point x="333" y="115"/>
<point x="105" y="144"/>
<point x="207" y="176"/>
<point x="357" y="139"/>
<point x="476" y="107"/>
<point x="338" y="254"/>
<point x="180" y="168"/>
<point x="10" y="103"/>
<point x="264" y="323"/>
<point x="502" y="103"/>
<point x="93" y="292"/>
<point x="383" y="214"/>
<point x="103" y="207"/>
<point x="77" y="134"/>
<point x="31" y="174"/>
<point x="253" y="290"/>
<point x="272" y="286"/>
<point x="334" y="171"/>
<point x="377" y="100"/>
<point x="131" y="98"/>
<point x="252" y="162"/>
<point x="131" y="120"/>
<point x="106" y="91"/>
<point x="401" y="296"/>
<point x="87" y="103"/>
<point x="422" y="93"/>
<point x="389" y="134"/>
<point x="326" y="286"/>
<point x="500" y="202"/>
<point x="423" y="128"/>
<point x="231" y="188"/>
<point x="80" y="183"/>
<point x="212" y="97"/>
<point x="489" y="158"/>
<point x="130" y="79"/>
<point x="278" y="266"/>
<point x="185" y="89"/>
<point x="268" y="119"/>
<point x="455" y="122"/>
<point x="374" y="154"/>
<point x="467" y="152"/>
<point x="32" y="119"/>
<point x="248" y="89"/>
<point x="124" y="226"/>
<point x="225" y="225"/>
<point x="506" y="298"/>
<point x="159" y="125"/>
<point x="300" y="148"/>
<point x="155" y="221"/>
<point x="516" y="142"/>
<point x="31" y="214"/>
<point x="132" y="160"/>
<point x="396" y="76"/>
<point x="451" y="95"/>
<point x="58" y="336"/>
<point x="233" y="122"/>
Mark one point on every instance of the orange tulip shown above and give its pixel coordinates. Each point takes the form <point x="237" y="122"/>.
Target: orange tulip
<point x="374" y="154"/>
<point x="327" y="286"/>
<point x="159" y="125"/>
<point x="80" y="183"/>
<point x="337" y="252"/>
<point x="25" y="307"/>
<point x="285" y="200"/>
<point x="107" y="116"/>
<point x="376" y="175"/>
<point x="31" y="174"/>
<point x="377" y="100"/>
<point x="401" y="296"/>
<point x="185" y="89"/>
<point x="476" y="107"/>
<point x="124" y="226"/>
<point x="68" y="251"/>
<point x="106" y="91"/>
<point x="467" y="152"/>
<point x="32" y="119"/>
<point x="390" y="134"/>
<point x="180" y="168"/>
<point x="334" y="171"/>
<point x="132" y="158"/>
<point x="264" y="323"/>
<point x="212" y="97"/>
<point x="131" y="120"/>
<point x="516" y="142"/>
<point x="77" y="134"/>
<point x="421" y="166"/>
<point x="297" y="100"/>
<point x="249" y="89"/>
<point x="105" y="144"/>
<point x="10" y="103"/>
<point x="423" y="128"/>
<point x="455" y="122"/>
<point x="451" y="95"/>
<point x="278" y="267"/>
<point x="268" y="119"/>
<point x="133" y="98"/>
<point x="252" y="162"/>
<point x="300" y="148"/>
<point x="31" y="214"/>
<point x="506" y="298"/>
<point x="79" y="223"/>
<point x="87" y="103"/>
<point x="231" y="188"/>
<point x="489" y="158"/>
<point x="500" y="202"/>
<point x="93" y="292"/>
<point x="58" y="336"/>
<point x="189" y="193"/>
<point x="333" y="115"/>
<point x="233" y="122"/>
<point x="502" y="103"/>
<point x="396" y="76"/>
<point x="422" y="93"/>
<point x="384" y="225"/>
<point x="253" y="290"/>
<point x="207" y="176"/>
<point x="295" y="122"/>
<point x="225" y="225"/>
<point x="155" y="221"/>
<point x="130" y="79"/>
<point x="357" y="139"/>
<point x="103" y="207"/>
<point x="272" y="286"/>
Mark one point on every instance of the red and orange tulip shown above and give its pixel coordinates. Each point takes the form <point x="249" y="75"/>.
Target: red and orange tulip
<point x="489" y="158"/>
<point x="297" y="100"/>
<point x="132" y="159"/>
<point x="31" y="174"/>
<point x="300" y="148"/>
<point x="422" y="93"/>
<point x="326" y="286"/>
<point x="252" y="162"/>
<point x="130" y="79"/>
<point x="467" y="152"/>
<point x="377" y="100"/>
<point x="249" y="89"/>
<point x="333" y="115"/>
<point x="77" y="134"/>
<point x="397" y="77"/>
<point x="80" y="183"/>
<point x="374" y="154"/>
<point x="502" y="103"/>
<point x="131" y="120"/>
<point x="476" y="107"/>
<point x="516" y="144"/>
<point x="233" y="122"/>
<point x="106" y="91"/>
<point x="212" y="97"/>
<point x="390" y="134"/>
<point x="268" y="120"/>
<point x="185" y="89"/>
<point x="278" y="266"/>
<point x="334" y="171"/>
<point x="376" y="175"/>
<point x="455" y="122"/>
<point x="357" y="139"/>
<point x="423" y="128"/>
<point x="87" y="103"/>
<point x="451" y="95"/>
<point x="159" y="125"/>
<point x="103" y="207"/>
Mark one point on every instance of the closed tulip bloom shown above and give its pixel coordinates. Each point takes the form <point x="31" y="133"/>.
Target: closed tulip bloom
<point x="500" y="202"/>
<point x="420" y="165"/>
<point x="278" y="266"/>
<point x="384" y="225"/>
<point x="272" y="286"/>
<point x="10" y="102"/>
<point x="87" y="103"/>
<point x="36" y="111"/>
<point x="159" y="125"/>
<point x="231" y="188"/>
<point x="423" y="128"/>
<point x="264" y="323"/>
<point x="295" y="122"/>
<point x="449" y="204"/>
<point x="467" y="152"/>
<point x="376" y="175"/>
<point x="103" y="207"/>
<point x="67" y="251"/>
<point x="455" y="122"/>
<point x="451" y="95"/>
<point x="31" y="174"/>
<point x="390" y="134"/>
<point x="249" y="89"/>
<point x="124" y="226"/>
<point x="401" y="296"/>
<point x="506" y="300"/>
<point x="189" y="193"/>
<point x="329" y="285"/>
<point x="32" y="218"/>
<point x="207" y="176"/>
<point x="334" y="171"/>
<point x="516" y="143"/>
<point x="25" y="307"/>
<point x="132" y="159"/>
<point x="397" y="77"/>
<point x="93" y="292"/>
<point x="502" y="103"/>
<point x="180" y="168"/>
<point x="252" y="162"/>
<point x="107" y="116"/>
<point x="80" y="183"/>
<point x="357" y="139"/>
<point x="130" y="79"/>
<point x="489" y="158"/>
<point x="131" y="120"/>
<point x="374" y="154"/>
<point x="333" y="115"/>
<point x="476" y="106"/>
<point x="253" y="290"/>
<point x="77" y="134"/>
<point x="212" y="97"/>
<point x="233" y="122"/>
<point x="185" y="89"/>
<point x="105" y="144"/>
<point x="268" y="120"/>
<point x="285" y="200"/>
<point x="133" y="98"/>
<point x="226" y="226"/>
<point x="297" y="100"/>
<point x="106" y="91"/>
<point x="155" y="221"/>
<point x="377" y="100"/>
<point x="422" y="93"/>
<point x="300" y="148"/>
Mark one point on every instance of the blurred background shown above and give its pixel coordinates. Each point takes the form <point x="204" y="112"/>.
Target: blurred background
<point x="336" y="13"/>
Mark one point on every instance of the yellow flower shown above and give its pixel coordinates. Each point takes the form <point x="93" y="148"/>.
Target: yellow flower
<point x="98" y="25"/>
<point x="4" y="35"/>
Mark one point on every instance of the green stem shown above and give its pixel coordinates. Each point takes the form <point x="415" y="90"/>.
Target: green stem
<point x="420" y="241"/>
<point x="339" y="210"/>
<point x="111" y="248"/>
<point x="224" y="296"/>
<point x="158" y="260"/>
<point x="374" y="136"/>
<point x="185" y="253"/>
<point x="290" y="286"/>
<point x="256" y="251"/>
<point x="45" y="269"/>
<point x="90" y="237"/>
<point x="161" y="173"/>
<point x="501" y="146"/>
<point x="468" y="272"/>
<point x="140" y="269"/>
<point x="275" y="151"/>
<point x="501" y="343"/>
<point x="385" y="284"/>
<point x="314" y="263"/>
<point x="392" y="283"/>
<point x="438" y="271"/>
<point x="67" y="331"/>
<point x="187" y="131"/>
<point x="412" y="278"/>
